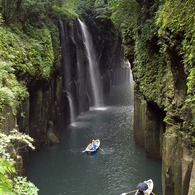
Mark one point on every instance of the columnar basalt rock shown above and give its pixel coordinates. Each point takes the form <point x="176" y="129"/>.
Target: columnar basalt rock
<point x="140" y="106"/>
<point x="177" y="165"/>
<point x="148" y="126"/>
<point x="192" y="180"/>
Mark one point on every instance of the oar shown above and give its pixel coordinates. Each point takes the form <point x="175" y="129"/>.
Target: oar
<point x="101" y="149"/>
<point x="128" y="192"/>
<point x="153" y="193"/>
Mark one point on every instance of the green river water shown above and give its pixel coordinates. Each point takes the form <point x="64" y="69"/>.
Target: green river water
<point x="64" y="169"/>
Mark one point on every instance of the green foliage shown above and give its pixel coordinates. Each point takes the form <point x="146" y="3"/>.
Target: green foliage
<point x="179" y="18"/>
<point x="25" y="10"/>
<point x="125" y="17"/>
<point x="62" y="12"/>
<point x="86" y="8"/>
<point x="41" y="50"/>
<point x="24" y="56"/>
<point x="10" y="183"/>
<point x="8" y="141"/>
<point x="28" y="55"/>
<point x="70" y="6"/>
<point x="94" y="9"/>
<point x="124" y="13"/>
<point x="6" y="168"/>
<point x="191" y="85"/>
<point x="22" y="186"/>
<point x="6" y="96"/>
<point x="11" y="90"/>
<point x="7" y="10"/>
<point x="102" y="10"/>
<point x="32" y="10"/>
<point x="21" y="55"/>
<point x="65" y="9"/>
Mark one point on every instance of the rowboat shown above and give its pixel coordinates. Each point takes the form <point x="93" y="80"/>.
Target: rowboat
<point x="145" y="188"/>
<point x="90" y="149"/>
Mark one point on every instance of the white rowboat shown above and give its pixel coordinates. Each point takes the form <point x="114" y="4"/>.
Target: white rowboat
<point x="90" y="150"/>
<point x="147" y="191"/>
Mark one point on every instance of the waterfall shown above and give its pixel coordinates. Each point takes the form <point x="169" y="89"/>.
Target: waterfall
<point x="66" y="71"/>
<point x="72" y="112"/>
<point x="132" y="85"/>
<point x="129" y="74"/>
<point x="82" y="88"/>
<point x="122" y="73"/>
<point x="80" y="72"/>
<point x="93" y="67"/>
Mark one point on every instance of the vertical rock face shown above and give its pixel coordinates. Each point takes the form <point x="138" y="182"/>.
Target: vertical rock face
<point x="177" y="165"/>
<point x="148" y="126"/>
<point x="10" y="120"/>
<point x="45" y="106"/>
<point x="164" y="108"/>
<point x="155" y="128"/>
<point x="140" y="106"/>
<point x="162" y="142"/>
<point x="171" y="168"/>
<point x="192" y="180"/>
<point x="109" y="52"/>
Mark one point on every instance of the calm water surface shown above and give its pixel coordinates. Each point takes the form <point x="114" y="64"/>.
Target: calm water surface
<point x="64" y="169"/>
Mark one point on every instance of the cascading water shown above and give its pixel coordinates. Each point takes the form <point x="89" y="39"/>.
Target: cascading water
<point x="129" y="73"/>
<point x="121" y="74"/>
<point x="82" y="88"/>
<point x="93" y="67"/>
<point x="66" y="63"/>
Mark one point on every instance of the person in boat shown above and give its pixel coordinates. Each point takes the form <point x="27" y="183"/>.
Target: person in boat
<point x="89" y="147"/>
<point x="93" y="145"/>
<point x="140" y="192"/>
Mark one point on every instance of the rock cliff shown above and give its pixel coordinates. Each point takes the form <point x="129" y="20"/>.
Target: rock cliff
<point x="164" y="109"/>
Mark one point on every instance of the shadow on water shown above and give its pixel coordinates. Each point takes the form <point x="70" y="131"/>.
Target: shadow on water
<point x="64" y="169"/>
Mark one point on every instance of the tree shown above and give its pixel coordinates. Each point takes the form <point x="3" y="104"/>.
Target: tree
<point x="10" y="182"/>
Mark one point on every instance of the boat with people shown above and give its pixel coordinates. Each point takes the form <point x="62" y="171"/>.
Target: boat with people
<point x="92" y="147"/>
<point x="145" y="188"/>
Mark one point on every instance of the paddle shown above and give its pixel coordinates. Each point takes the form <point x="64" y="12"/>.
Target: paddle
<point x="153" y="193"/>
<point x="101" y="149"/>
<point x="128" y="192"/>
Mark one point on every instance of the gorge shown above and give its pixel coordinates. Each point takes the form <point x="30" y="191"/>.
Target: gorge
<point x="45" y="66"/>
